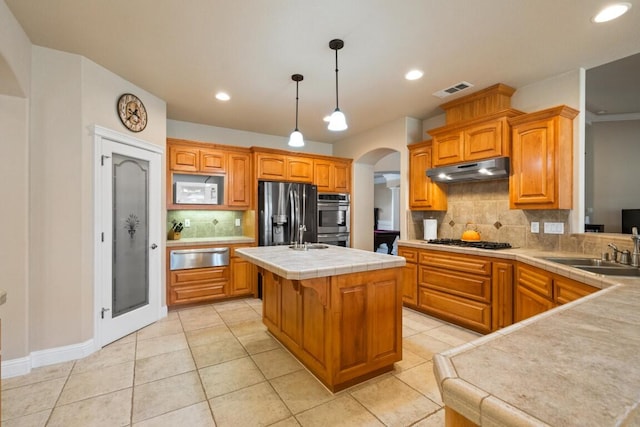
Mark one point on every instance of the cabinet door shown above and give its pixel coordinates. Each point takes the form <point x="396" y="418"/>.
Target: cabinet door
<point x="423" y="193"/>
<point x="271" y="166"/>
<point x="197" y="285"/>
<point x="485" y="140"/>
<point x="299" y="169"/>
<point x="461" y="311"/>
<point x="535" y="279"/>
<point x="342" y="177"/>
<point x="529" y="303"/>
<point x="322" y="171"/>
<point x="409" y="275"/>
<point x="242" y="274"/>
<point x="183" y="159"/>
<point x="239" y="179"/>
<point x="533" y="161"/>
<point x="567" y="290"/>
<point x="502" y="290"/>
<point x="271" y="290"/>
<point x="213" y="161"/>
<point x="448" y="148"/>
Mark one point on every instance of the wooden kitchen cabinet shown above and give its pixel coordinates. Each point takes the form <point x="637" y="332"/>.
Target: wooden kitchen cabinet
<point x="502" y="294"/>
<point x="533" y="292"/>
<point x="229" y="167"/>
<point x="239" y="180"/>
<point x="567" y="290"/>
<point x="197" y="285"/>
<point x="424" y="194"/>
<point x="457" y="288"/>
<point x="542" y="159"/>
<point x="333" y="176"/>
<point x="281" y="167"/>
<point x="409" y="275"/>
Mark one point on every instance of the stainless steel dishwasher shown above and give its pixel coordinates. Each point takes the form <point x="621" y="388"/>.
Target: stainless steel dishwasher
<point x="182" y="259"/>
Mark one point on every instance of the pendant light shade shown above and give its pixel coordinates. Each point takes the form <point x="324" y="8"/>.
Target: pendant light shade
<point x="296" y="139"/>
<point x="337" y="121"/>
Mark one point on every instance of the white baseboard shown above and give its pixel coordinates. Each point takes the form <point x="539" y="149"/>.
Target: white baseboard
<point x="23" y="365"/>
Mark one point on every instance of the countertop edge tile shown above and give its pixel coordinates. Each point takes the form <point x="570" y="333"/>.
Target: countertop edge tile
<point x="464" y="398"/>
<point x="443" y="369"/>
<point x="497" y="413"/>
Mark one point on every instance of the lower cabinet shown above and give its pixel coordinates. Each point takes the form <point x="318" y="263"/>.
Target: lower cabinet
<point x="409" y="276"/>
<point x="198" y="285"/>
<point x="537" y="290"/>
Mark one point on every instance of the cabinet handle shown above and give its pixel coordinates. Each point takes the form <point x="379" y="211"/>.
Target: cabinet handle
<point x="153" y="246"/>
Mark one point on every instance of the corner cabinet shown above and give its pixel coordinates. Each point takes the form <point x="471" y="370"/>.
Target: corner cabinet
<point x="282" y="167"/>
<point x="424" y="194"/>
<point x="542" y="159"/>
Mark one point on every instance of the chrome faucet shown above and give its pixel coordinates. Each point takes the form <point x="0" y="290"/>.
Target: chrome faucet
<point x="635" y="256"/>
<point x="615" y="253"/>
<point x="301" y="230"/>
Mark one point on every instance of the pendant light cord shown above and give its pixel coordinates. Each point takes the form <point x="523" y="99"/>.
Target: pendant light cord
<point x="296" y="105"/>
<point x="336" y="79"/>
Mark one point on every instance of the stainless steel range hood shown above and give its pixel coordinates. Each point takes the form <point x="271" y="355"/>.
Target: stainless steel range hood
<point x="483" y="170"/>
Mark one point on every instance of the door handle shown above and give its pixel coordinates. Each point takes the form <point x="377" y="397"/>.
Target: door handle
<point x="153" y="246"/>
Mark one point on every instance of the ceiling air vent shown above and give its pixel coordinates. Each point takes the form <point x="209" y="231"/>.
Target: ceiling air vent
<point x="458" y="87"/>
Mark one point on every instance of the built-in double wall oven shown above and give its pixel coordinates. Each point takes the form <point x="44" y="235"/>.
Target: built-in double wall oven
<point x="333" y="219"/>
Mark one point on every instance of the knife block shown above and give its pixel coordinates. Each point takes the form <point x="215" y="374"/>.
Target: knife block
<point x="174" y="235"/>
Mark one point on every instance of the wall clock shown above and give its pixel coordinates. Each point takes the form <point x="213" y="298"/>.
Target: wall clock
<point x="132" y="113"/>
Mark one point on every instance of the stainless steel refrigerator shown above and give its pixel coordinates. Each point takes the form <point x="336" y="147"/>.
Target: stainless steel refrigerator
<point x="285" y="210"/>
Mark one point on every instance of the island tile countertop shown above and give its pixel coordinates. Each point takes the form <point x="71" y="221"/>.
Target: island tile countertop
<point x="3" y="296"/>
<point x="192" y="241"/>
<point x="332" y="261"/>
<point x="574" y="365"/>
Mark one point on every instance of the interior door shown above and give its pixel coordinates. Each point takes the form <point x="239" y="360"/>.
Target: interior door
<point x="130" y="283"/>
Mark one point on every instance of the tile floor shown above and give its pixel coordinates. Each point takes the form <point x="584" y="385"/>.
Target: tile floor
<point x="215" y="365"/>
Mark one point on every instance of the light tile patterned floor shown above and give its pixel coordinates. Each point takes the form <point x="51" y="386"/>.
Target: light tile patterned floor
<point x="215" y="365"/>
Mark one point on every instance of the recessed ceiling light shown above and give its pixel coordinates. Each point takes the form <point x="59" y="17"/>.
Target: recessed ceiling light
<point x="222" y="96"/>
<point x="611" y="12"/>
<point x="413" y="75"/>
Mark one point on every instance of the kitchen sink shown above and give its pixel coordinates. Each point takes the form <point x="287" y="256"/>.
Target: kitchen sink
<point x="575" y="262"/>
<point x="309" y="246"/>
<point x="595" y="265"/>
<point x="618" y="270"/>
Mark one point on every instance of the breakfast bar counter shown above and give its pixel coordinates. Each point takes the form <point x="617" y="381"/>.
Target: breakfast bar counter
<point x="338" y="310"/>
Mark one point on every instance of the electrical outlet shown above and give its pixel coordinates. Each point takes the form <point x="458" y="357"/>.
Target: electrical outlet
<point x="554" y="227"/>
<point x="535" y="227"/>
<point x="187" y="223"/>
<point x="237" y="222"/>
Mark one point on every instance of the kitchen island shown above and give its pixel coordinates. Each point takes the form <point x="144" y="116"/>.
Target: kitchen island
<point x="338" y="310"/>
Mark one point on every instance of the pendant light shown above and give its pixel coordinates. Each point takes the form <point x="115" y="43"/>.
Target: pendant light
<point x="296" y="139"/>
<point x="337" y="121"/>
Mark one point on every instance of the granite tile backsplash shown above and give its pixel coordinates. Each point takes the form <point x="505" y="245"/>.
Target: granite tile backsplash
<point x="206" y="223"/>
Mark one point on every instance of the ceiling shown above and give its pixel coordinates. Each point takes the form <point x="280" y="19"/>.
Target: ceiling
<point x="185" y="51"/>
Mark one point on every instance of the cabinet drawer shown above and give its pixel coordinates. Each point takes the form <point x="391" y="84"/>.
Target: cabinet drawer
<point x="461" y="311"/>
<point x="461" y="284"/>
<point x="464" y="263"/>
<point x="411" y="255"/>
<point x="198" y="275"/>
<point x="196" y="293"/>
<point x="536" y="280"/>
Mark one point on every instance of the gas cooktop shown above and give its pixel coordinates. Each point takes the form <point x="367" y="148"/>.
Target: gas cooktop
<point x="470" y="244"/>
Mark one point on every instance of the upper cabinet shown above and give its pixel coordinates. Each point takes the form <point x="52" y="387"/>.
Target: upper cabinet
<point x="329" y="174"/>
<point x="542" y="159"/>
<point x="283" y="167"/>
<point x="477" y="127"/>
<point x="423" y="193"/>
<point x="227" y="168"/>
<point x="332" y="175"/>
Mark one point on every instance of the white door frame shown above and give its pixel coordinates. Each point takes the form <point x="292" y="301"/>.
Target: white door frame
<point x="101" y="134"/>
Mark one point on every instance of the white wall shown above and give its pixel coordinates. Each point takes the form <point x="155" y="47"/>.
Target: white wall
<point x="616" y="174"/>
<point x="367" y="149"/>
<point x="240" y="138"/>
<point x="15" y="68"/>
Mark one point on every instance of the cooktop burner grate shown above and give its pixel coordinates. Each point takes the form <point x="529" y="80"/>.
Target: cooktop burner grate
<point x="475" y="244"/>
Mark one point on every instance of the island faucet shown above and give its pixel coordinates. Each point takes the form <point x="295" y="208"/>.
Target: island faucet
<point x="301" y="229"/>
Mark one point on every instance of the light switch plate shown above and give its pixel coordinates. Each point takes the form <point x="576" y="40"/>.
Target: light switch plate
<point x="554" y="227"/>
<point x="187" y="223"/>
<point x="535" y="227"/>
<point x="237" y="222"/>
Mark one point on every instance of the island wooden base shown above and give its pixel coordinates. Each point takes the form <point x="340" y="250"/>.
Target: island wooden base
<point x="345" y="329"/>
<point x="454" y="419"/>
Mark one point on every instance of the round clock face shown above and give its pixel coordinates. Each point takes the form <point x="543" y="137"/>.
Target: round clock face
<point x="132" y="112"/>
